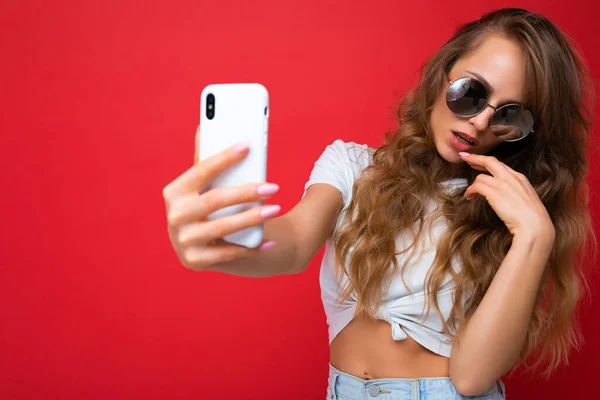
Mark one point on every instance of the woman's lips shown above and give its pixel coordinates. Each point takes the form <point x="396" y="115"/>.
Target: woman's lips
<point x="468" y="137"/>
<point x="458" y="145"/>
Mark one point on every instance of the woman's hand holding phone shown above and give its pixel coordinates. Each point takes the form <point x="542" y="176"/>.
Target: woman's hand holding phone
<point x="196" y="240"/>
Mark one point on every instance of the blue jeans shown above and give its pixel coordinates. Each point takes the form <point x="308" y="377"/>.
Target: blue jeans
<point x="343" y="386"/>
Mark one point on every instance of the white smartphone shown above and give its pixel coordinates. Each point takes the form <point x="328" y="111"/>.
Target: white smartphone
<point x="232" y="113"/>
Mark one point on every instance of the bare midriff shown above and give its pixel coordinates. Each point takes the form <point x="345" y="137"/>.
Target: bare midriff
<point x="365" y="349"/>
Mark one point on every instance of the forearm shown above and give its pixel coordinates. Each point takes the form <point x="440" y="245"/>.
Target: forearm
<point x="494" y="336"/>
<point x="280" y="260"/>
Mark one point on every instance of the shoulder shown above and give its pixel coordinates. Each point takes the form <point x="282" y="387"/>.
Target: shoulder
<point x="339" y="164"/>
<point x="352" y="154"/>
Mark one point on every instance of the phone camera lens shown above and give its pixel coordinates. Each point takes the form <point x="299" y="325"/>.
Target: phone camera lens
<point x="210" y="106"/>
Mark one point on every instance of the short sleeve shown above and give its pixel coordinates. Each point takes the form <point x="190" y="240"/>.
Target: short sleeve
<point x="339" y="165"/>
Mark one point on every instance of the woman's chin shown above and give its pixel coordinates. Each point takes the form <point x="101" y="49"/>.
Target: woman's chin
<point x="450" y="154"/>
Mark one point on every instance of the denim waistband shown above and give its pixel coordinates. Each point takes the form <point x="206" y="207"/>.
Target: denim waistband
<point x="348" y="386"/>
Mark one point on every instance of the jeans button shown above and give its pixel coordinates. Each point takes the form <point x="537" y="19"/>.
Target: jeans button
<point x="374" y="391"/>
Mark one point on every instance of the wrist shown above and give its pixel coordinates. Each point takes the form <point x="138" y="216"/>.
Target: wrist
<point x="536" y="241"/>
<point x="543" y="232"/>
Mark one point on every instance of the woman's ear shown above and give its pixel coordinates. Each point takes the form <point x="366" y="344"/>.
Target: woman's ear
<point x="450" y="64"/>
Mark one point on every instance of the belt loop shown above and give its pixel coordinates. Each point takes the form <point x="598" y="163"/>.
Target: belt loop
<point x="501" y="388"/>
<point x="331" y="391"/>
<point x="415" y="390"/>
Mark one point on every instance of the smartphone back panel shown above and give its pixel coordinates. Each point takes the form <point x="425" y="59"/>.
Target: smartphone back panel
<point x="239" y="113"/>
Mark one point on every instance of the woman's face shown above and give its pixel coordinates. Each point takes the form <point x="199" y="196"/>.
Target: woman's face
<point x="501" y="63"/>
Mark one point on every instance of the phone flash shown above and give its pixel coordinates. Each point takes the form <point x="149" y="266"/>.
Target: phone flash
<point x="210" y="106"/>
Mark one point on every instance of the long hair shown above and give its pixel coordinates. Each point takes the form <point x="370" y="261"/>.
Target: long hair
<point x="392" y="193"/>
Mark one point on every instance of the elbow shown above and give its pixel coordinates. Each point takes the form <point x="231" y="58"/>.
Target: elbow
<point x="469" y="377"/>
<point x="475" y="380"/>
<point x="471" y="386"/>
<point x="467" y="387"/>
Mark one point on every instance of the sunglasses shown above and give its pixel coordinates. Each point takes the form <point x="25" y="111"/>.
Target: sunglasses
<point x="467" y="97"/>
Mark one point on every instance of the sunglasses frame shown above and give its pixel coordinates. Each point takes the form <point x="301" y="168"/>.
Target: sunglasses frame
<point x="496" y="109"/>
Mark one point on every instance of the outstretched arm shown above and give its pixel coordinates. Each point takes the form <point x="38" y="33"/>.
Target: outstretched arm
<point x="299" y="235"/>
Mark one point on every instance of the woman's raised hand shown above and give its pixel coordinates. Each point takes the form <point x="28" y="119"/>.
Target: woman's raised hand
<point x="196" y="240"/>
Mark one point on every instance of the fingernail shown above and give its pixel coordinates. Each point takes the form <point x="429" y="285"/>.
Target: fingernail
<point x="240" y="147"/>
<point x="270" y="211"/>
<point x="267" y="245"/>
<point x="267" y="189"/>
<point x="464" y="154"/>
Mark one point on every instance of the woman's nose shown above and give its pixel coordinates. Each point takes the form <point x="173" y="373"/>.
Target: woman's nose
<point x="481" y="121"/>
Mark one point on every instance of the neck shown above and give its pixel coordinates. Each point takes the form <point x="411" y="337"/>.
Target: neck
<point x="454" y="170"/>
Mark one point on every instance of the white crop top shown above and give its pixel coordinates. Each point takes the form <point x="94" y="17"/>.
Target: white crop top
<point x="340" y="165"/>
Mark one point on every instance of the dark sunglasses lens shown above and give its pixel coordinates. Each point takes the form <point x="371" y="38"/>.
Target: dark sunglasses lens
<point x="511" y="122"/>
<point x="466" y="97"/>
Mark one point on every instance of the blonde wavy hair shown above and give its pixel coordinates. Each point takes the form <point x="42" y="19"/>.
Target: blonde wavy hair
<point x="391" y="194"/>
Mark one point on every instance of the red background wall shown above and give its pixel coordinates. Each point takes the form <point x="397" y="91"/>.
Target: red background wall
<point x="99" y="102"/>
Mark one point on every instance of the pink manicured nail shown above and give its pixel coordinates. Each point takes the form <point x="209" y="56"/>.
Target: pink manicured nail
<point x="267" y="246"/>
<point x="270" y="211"/>
<point x="240" y="147"/>
<point x="464" y="154"/>
<point x="267" y="189"/>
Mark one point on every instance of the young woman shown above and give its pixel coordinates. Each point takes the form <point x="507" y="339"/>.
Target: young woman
<point x="453" y="250"/>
